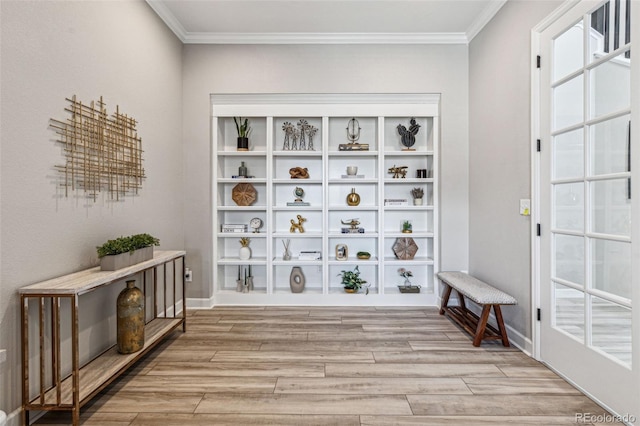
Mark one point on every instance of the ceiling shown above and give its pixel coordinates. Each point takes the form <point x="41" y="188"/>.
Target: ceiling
<point x="326" y="21"/>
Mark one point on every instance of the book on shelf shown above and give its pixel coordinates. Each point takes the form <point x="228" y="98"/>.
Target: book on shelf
<point x="231" y="227"/>
<point x="396" y="202"/>
<point x="297" y="203"/>
<point x="242" y="177"/>
<point x="352" y="230"/>
<point x="352" y="176"/>
<point x="310" y="255"/>
<point x="353" y="147"/>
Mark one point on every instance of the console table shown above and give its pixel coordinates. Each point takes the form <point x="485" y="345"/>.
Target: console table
<point x="71" y="390"/>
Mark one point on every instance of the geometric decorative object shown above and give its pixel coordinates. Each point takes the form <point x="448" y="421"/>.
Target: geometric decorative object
<point x="244" y="194"/>
<point x="405" y="248"/>
<point x="103" y="153"/>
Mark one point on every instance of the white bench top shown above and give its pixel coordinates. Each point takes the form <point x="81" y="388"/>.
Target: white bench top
<point x="476" y="290"/>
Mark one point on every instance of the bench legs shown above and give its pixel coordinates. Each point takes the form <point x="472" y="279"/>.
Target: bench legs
<point x="477" y="326"/>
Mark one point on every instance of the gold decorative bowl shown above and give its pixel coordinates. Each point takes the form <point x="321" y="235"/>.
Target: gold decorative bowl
<point x="363" y="256"/>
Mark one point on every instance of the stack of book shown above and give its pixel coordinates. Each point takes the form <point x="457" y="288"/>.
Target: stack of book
<point x="352" y="176"/>
<point x="310" y="255"/>
<point x="231" y="227"/>
<point x="352" y="230"/>
<point x="396" y="202"/>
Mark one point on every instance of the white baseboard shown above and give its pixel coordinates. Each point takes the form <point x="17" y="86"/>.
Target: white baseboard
<point x="199" y="303"/>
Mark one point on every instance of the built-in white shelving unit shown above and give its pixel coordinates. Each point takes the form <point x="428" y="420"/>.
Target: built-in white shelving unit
<point x="326" y="191"/>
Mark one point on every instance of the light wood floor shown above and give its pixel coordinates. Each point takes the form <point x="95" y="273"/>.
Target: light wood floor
<point x="332" y="366"/>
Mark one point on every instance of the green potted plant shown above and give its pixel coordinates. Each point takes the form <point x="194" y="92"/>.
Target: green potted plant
<point x="243" y="130"/>
<point x="352" y="282"/>
<point x="126" y="251"/>
<point x="406" y="227"/>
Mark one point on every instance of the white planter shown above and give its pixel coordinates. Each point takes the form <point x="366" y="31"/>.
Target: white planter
<point x="417" y="201"/>
<point x="123" y="260"/>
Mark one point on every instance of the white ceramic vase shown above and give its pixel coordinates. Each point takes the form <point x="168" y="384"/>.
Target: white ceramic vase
<point x="245" y="253"/>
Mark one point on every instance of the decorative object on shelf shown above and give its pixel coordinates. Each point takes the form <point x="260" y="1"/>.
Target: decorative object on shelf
<point x="398" y="172"/>
<point x="245" y="250"/>
<point x="407" y="227"/>
<point x="364" y="255"/>
<point x="244" y="194"/>
<point x="353" y="134"/>
<point x="297" y="226"/>
<point x="353" y="198"/>
<point x="342" y="252"/>
<point x="405" y="248"/>
<point x="353" y="227"/>
<point x="130" y="319"/>
<point x="288" y="129"/>
<point x="244" y="285"/>
<point x="407" y="287"/>
<point x="303" y="126"/>
<point x="352" y="282"/>
<point x="296" y="280"/>
<point x="299" y="193"/>
<point x="408" y="136"/>
<point x="312" y="132"/>
<point x="422" y="173"/>
<point x="299" y="173"/>
<point x="102" y="152"/>
<point x="287" y="253"/>
<point x="243" y="129"/>
<point x="126" y="251"/>
<point x="352" y="170"/>
<point x="242" y="170"/>
<point x="255" y="224"/>
<point x="298" y="137"/>
<point x="417" y="194"/>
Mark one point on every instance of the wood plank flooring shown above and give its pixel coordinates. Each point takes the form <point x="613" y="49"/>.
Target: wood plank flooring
<point x="331" y="366"/>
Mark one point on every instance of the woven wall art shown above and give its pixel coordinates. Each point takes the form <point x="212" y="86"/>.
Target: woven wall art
<point x="103" y="152"/>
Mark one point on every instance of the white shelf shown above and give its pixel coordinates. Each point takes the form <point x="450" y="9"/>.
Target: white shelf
<point x="326" y="192"/>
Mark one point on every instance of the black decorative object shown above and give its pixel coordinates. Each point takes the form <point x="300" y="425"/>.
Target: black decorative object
<point x="408" y="136"/>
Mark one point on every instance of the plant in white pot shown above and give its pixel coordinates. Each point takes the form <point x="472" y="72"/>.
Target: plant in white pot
<point x="126" y="251"/>
<point x="417" y="194"/>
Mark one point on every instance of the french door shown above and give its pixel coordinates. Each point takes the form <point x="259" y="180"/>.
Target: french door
<point x="588" y="247"/>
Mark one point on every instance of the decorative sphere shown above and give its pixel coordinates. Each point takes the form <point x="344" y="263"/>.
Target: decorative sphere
<point x="299" y="192"/>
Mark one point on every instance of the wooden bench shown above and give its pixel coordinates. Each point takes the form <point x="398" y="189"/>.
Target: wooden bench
<point x="482" y="294"/>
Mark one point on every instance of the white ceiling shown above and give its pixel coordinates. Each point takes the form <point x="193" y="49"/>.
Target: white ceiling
<point x="326" y="21"/>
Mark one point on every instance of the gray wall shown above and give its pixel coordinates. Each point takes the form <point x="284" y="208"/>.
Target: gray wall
<point x="499" y="153"/>
<point x="52" y="50"/>
<point x="324" y="69"/>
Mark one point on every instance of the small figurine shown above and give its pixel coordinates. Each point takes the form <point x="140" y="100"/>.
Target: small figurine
<point x="398" y="172"/>
<point x="408" y="136"/>
<point x="353" y="223"/>
<point x="288" y="132"/>
<point x="298" y="225"/>
<point x="299" y="173"/>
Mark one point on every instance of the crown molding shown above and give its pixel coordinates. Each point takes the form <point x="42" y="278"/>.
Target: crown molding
<point x="483" y="19"/>
<point x="323" y="98"/>
<point x="169" y="19"/>
<point x="325" y="38"/>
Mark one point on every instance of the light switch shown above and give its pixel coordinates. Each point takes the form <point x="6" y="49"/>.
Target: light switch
<point x="525" y="207"/>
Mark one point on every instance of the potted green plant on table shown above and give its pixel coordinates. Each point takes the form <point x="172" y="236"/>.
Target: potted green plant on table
<point x="126" y="251"/>
<point x="243" y="130"/>
<point x="352" y="282"/>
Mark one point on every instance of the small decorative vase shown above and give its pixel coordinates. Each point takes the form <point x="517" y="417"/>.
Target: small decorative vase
<point x="244" y="253"/>
<point x="286" y="255"/>
<point x="417" y="201"/>
<point x="243" y="144"/>
<point x="350" y="290"/>
<point x="296" y="280"/>
<point x="242" y="170"/>
<point x="353" y="199"/>
<point x="130" y="319"/>
<point x="250" y="283"/>
<point x="239" y="285"/>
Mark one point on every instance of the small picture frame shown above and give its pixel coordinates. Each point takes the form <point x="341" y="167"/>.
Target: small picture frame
<point x="342" y="252"/>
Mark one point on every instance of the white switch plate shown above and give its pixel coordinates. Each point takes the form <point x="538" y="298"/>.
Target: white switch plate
<point x="3" y="355"/>
<point x="525" y="207"/>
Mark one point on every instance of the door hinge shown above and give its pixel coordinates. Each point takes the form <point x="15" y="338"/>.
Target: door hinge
<point x="538" y="61"/>
<point x="539" y="230"/>
<point x="539" y="314"/>
<point x="539" y="145"/>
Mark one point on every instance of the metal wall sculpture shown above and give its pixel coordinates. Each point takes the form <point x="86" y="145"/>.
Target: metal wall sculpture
<point x="103" y="153"/>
